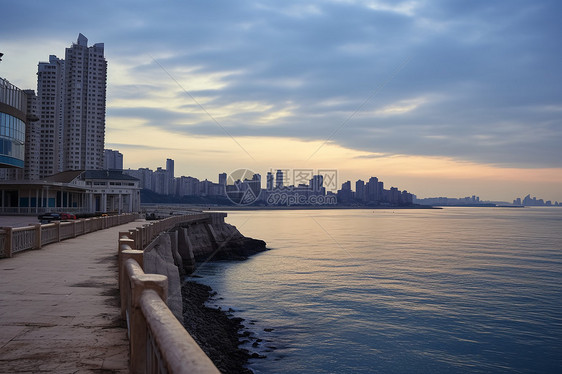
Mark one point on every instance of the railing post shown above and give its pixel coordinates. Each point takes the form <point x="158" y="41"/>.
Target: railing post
<point x="37" y="236"/>
<point x="138" y="237"/>
<point x="137" y="321"/>
<point x="126" y="253"/>
<point x="57" y="225"/>
<point x="74" y="228"/>
<point x="8" y="241"/>
<point x="122" y="245"/>
<point x="125" y="235"/>
<point x="143" y="236"/>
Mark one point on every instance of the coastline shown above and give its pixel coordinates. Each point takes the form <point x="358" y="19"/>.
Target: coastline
<point x="316" y="207"/>
<point x="217" y="332"/>
<point x="177" y="252"/>
<point x="216" y="208"/>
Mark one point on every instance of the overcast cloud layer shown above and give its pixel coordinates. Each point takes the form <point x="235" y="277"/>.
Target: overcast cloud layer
<point x="473" y="80"/>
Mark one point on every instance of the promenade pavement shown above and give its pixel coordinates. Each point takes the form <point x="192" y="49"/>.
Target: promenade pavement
<point x="59" y="308"/>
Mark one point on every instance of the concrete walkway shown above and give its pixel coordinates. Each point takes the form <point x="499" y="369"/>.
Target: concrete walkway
<point x="59" y="308"/>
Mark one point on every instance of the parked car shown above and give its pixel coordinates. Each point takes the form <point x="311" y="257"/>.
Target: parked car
<point x="49" y="217"/>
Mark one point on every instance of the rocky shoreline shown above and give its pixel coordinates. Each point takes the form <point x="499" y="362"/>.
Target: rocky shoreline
<point x="216" y="331"/>
<point x="219" y="334"/>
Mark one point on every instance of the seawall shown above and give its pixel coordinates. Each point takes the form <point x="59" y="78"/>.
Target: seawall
<point x="177" y="253"/>
<point x="203" y="240"/>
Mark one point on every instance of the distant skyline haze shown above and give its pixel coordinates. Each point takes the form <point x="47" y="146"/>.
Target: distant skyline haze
<point x="438" y="98"/>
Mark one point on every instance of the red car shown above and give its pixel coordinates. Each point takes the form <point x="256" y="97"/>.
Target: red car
<point x="66" y="216"/>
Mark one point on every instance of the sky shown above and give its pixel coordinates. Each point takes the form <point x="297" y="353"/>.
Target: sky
<point x="440" y="98"/>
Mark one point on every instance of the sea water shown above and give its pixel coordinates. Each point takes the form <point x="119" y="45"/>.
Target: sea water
<point x="471" y="290"/>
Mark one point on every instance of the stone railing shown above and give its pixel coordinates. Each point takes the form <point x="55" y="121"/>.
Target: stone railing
<point x="144" y="235"/>
<point x="18" y="239"/>
<point x="26" y="211"/>
<point x="158" y="342"/>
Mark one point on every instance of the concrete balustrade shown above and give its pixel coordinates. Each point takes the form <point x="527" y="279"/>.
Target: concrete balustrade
<point x="158" y="342"/>
<point x="124" y="288"/>
<point x="14" y="240"/>
<point x="172" y="349"/>
<point x="137" y="284"/>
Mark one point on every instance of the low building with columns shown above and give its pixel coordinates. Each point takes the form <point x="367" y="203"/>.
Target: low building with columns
<point x="74" y="191"/>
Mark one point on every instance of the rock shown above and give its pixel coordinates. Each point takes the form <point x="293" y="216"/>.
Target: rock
<point x="217" y="333"/>
<point x="217" y="241"/>
<point x="213" y="330"/>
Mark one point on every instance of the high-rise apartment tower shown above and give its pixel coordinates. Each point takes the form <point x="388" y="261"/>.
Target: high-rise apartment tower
<point x="72" y="94"/>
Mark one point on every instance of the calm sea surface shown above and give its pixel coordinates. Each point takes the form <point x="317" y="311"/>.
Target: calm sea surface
<point x="475" y="290"/>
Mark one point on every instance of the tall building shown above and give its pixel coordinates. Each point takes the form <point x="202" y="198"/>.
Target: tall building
<point x="188" y="186"/>
<point x="360" y="190"/>
<point x="372" y="190"/>
<point x="269" y="181"/>
<point x="170" y="176"/>
<point x="222" y="179"/>
<point x="72" y="95"/>
<point x="222" y="183"/>
<point x="112" y="159"/>
<point x="317" y="184"/>
<point x="170" y="168"/>
<point x="160" y="181"/>
<point x="19" y="136"/>
<point x="144" y="175"/>
<point x="380" y="189"/>
<point x="85" y="79"/>
<point x="32" y="137"/>
<point x="9" y="124"/>
<point x="345" y="194"/>
<point x="13" y="115"/>
<point x="50" y="97"/>
<point x="279" y="179"/>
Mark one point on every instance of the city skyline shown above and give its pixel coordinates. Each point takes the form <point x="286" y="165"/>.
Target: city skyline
<point x="164" y="181"/>
<point x="439" y="100"/>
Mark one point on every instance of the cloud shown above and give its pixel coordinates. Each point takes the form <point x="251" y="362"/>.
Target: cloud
<point x="481" y="84"/>
<point x="134" y="146"/>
